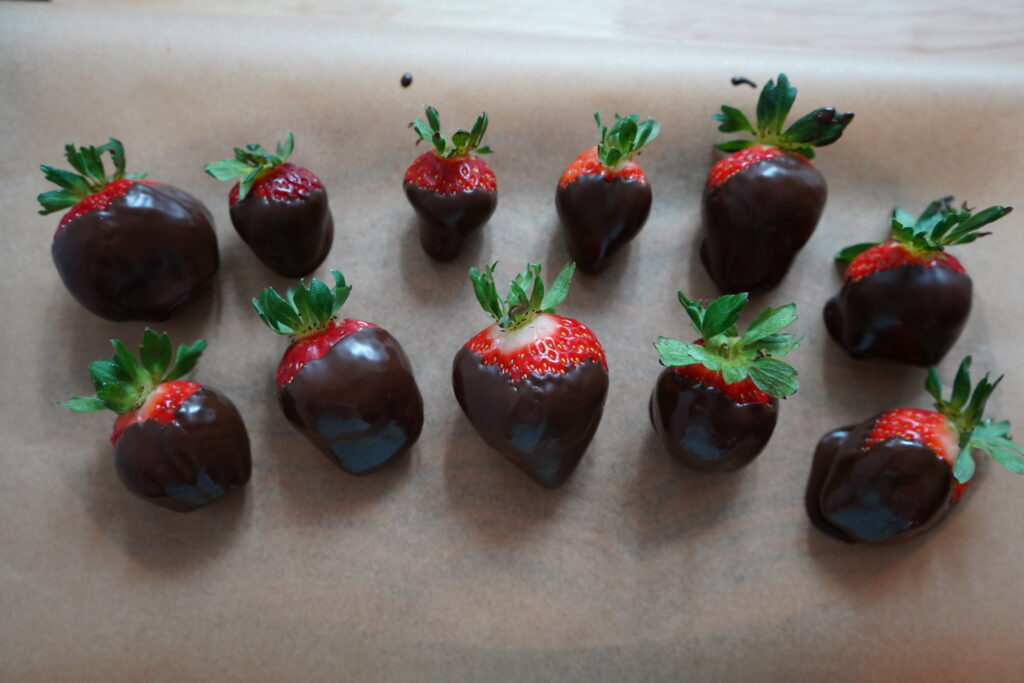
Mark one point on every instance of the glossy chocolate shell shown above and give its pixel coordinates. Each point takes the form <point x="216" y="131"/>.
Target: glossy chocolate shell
<point x="600" y="216"/>
<point x="189" y="462"/>
<point x="541" y="423"/>
<point x="706" y="430"/>
<point x="757" y="220"/>
<point x="446" y="220"/>
<point x="291" y="237"/>
<point x="359" y="404"/>
<point x="142" y="257"/>
<point x="909" y="314"/>
<point x="890" y="491"/>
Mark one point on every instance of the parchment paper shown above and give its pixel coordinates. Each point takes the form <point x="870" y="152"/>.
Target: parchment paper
<point x="453" y="566"/>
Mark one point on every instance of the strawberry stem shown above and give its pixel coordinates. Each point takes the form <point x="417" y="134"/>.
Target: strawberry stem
<point x="462" y="142"/>
<point x="90" y="179"/>
<point x="305" y="309"/>
<point x="624" y="140"/>
<point x="250" y="163"/>
<point x="518" y="308"/>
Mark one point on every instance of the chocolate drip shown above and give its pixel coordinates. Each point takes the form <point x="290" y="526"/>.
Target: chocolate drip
<point x="142" y="257"/>
<point x="541" y="423"/>
<point x="187" y="463"/>
<point x="706" y="430"/>
<point x="909" y="314"/>
<point x="757" y="220"/>
<point x="446" y="220"/>
<point x="359" y="404"/>
<point x="290" y="237"/>
<point x="600" y="216"/>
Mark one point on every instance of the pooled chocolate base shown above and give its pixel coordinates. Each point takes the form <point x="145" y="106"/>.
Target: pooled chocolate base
<point x="446" y="220"/>
<point x="542" y="423"/>
<point x="359" y="404"/>
<point x="909" y="314"/>
<point x="600" y="217"/>
<point x="190" y="462"/>
<point x="890" y="491"/>
<point x="142" y="257"/>
<point x="291" y="237"/>
<point x="756" y="222"/>
<point x="704" y="429"/>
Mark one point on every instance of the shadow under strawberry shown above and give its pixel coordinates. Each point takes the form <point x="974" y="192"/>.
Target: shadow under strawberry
<point x="907" y="300"/>
<point x="897" y="475"/>
<point x="177" y="444"/>
<point x="715" y="405"/>
<point x="533" y="384"/>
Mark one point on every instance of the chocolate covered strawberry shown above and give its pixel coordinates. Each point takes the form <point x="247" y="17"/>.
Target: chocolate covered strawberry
<point x="762" y="202"/>
<point x="128" y="248"/>
<point x="177" y="444"/>
<point x="897" y="474"/>
<point x="533" y="383"/>
<point x="452" y="189"/>
<point x="603" y="197"/>
<point x="717" y="400"/>
<point x="346" y="385"/>
<point x="279" y="209"/>
<point x="907" y="299"/>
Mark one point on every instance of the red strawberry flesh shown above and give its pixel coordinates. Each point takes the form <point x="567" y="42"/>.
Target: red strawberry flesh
<point x="161" y="405"/>
<point x="315" y="346"/>
<point x="99" y="200"/>
<point x="893" y="255"/>
<point x="588" y="164"/>
<point x="286" y="182"/>
<point x="745" y="158"/>
<point x="928" y="427"/>
<point x="450" y="176"/>
<point x="547" y="344"/>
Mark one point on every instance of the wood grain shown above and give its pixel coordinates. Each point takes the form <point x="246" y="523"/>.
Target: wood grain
<point x="993" y="30"/>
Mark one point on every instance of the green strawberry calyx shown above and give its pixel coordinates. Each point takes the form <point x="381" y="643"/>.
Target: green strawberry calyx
<point x="625" y="138"/>
<point x="821" y="127"/>
<point x="460" y="144"/>
<point x="250" y="163"/>
<point x="965" y="409"/>
<point x="526" y="296"/>
<point x="90" y="179"/>
<point x="939" y="226"/>
<point x="753" y="354"/>
<point x="123" y="383"/>
<point x="303" y="310"/>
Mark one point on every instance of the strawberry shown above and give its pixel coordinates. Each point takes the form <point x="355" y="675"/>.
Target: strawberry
<point x="452" y="189"/>
<point x="177" y="444"/>
<point x="897" y="474"/>
<point x="279" y="209"/>
<point x="533" y="384"/>
<point x="907" y="300"/>
<point x="762" y="202"/>
<point x="128" y="248"/>
<point x="603" y="197"/>
<point x="346" y="385"/>
<point x="716" y="402"/>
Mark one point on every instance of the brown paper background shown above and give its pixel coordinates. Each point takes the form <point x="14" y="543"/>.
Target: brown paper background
<point x="452" y="565"/>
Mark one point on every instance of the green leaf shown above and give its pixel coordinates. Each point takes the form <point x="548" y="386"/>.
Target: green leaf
<point x="247" y="182"/>
<point x="853" y="251"/>
<point x="434" y="118"/>
<point x="819" y="128"/>
<point x="71" y="182"/>
<point x="961" y="384"/>
<point x="155" y="352"/>
<point x="284" y="149"/>
<point x="423" y="129"/>
<point x="107" y="372"/>
<point x="774" y="104"/>
<point x="56" y="200"/>
<point x="733" y="121"/>
<point x="768" y="322"/>
<point x="559" y="288"/>
<point x="735" y="145"/>
<point x="676" y="353"/>
<point x="722" y="313"/>
<point x="963" y="468"/>
<point x="732" y="373"/>
<point x="228" y="169"/>
<point x="933" y="385"/>
<point x="694" y="309"/>
<point x="486" y="291"/>
<point x="774" y="377"/>
<point x="186" y="359"/>
<point x="341" y="291"/>
<point x="484" y="150"/>
<point x="83" y="404"/>
<point x="129" y="366"/>
<point x="116" y="149"/>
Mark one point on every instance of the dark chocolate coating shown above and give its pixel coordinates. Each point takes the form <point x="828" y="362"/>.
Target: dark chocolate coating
<point x="189" y="462"/>
<point x="600" y="216"/>
<point x="142" y="257"/>
<point x="541" y="423"/>
<point x="890" y="491"/>
<point x="910" y="314"/>
<point x="706" y="430"/>
<point x="757" y="220"/>
<point x="359" y="404"/>
<point x="446" y="220"/>
<point x="291" y="237"/>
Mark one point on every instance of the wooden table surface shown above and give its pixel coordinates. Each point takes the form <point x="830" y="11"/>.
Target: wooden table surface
<point x="951" y="28"/>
